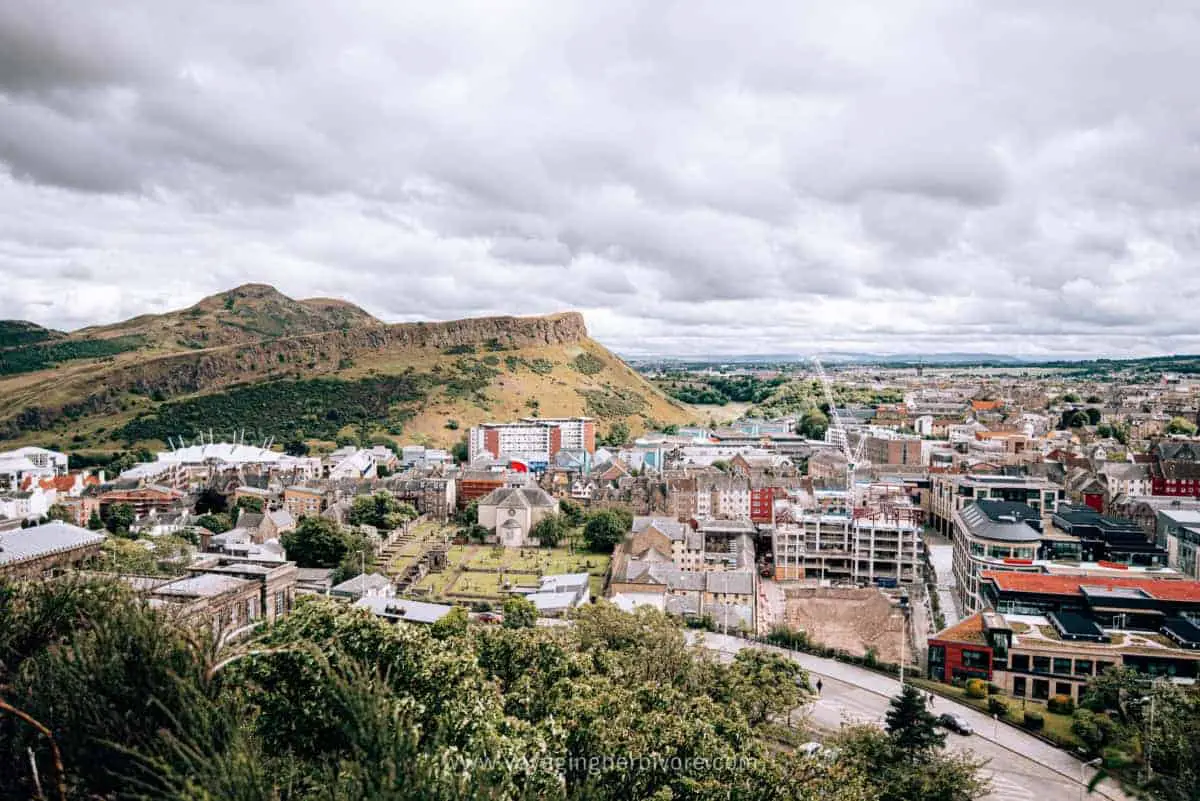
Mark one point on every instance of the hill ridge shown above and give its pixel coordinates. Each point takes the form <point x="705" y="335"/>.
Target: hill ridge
<point x="469" y="369"/>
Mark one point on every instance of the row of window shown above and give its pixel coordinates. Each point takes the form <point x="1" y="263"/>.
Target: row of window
<point x="1059" y="666"/>
<point x="998" y="552"/>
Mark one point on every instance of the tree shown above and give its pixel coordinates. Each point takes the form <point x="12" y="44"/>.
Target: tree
<point x="604" y="530"/>
<point x="721" y="464"/>
<point x="296" y="447"/>
<point x="460" y="451"/>
<point x="1181" y="425"/>
<point x="519" y="613"/>
<point x="1114" y="689"/>
<point x="60" y="512"/>
<point x="94" y="522"/>
<point x="118" y="518"/>
<point x="911" y="726"/>
<point x="550" y="530"/>
<point x="1093" y="415"/>
<point x="894" y="776"/>
<point x="216" y="523"/>
<point x="618" y="435"/>
<point x="316" y="542"/>
<point x="452" y="624"/>
<point x="468" y="515"/>
<point x="813" y="424"/>
<point x="771" y="683"/>
<point x="250" y="504"/>
<point x="211" y="502"/>
<point x="380" y="510"/>
<point x="572" y="512"/>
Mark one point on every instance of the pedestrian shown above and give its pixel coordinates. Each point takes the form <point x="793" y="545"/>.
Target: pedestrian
<point x="931" y="700"/>
<point x="819" y="686"/>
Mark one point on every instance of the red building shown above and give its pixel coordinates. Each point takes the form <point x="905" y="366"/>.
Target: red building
<point x="961" y="652"/>
<point x="1175" y="469"/>
<point x="474" y="484"/>
<point x="762" y="505"/>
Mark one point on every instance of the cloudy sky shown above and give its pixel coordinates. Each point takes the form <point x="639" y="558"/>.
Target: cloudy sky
<point x="696" y="177"/>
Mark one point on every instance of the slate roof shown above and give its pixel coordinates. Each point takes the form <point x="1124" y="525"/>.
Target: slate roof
<point x="205" y="585"/>
<point x="403" y="609"/>
<point x="986" y="519"/>
<point x="523" y="497"/>
<point x="668" y="526"/>
<point x="23" y="545"/>
<point x="362" y="584"/>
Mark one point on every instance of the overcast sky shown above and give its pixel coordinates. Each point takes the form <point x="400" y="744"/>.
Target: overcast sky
<point x="696" y="177"/>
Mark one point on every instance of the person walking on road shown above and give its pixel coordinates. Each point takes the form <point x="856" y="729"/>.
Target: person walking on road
<point x="819" y="686"/>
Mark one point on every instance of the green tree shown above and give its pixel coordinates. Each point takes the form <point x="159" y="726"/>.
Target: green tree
<point x="519" y="613"/>
<point x="460" y="451"/>
<point x="813" y="424"/>
<point x="60" y="512"/>
<point x="211" y="501"/>
<point x="118" y="518"/>
<point x="1181" y="425"/>
<point x="1113" y="689"/>
<point x="250" y="504"/>
<point x="316" y="542"/>
<point x="894" y="775"/>
<point x="453" y="624"/>
<point x="217" y="523"/>
<point x="572" y="512"/>
<point x="550" y="530"/>
<point x="768" y="683"/>
<point x="604" y="530"/>
<point x="94" y="522"/>
<point x="911" y="726"/>
<point x="381" y="510"/>
<point x="618" y="435"/>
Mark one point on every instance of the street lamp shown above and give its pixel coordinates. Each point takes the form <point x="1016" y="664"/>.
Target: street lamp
<point x="1082" y="783"/>
<point x="903" y="635"/>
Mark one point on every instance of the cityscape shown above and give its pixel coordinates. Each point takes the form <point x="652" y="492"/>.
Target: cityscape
<point x="552" y="400"/>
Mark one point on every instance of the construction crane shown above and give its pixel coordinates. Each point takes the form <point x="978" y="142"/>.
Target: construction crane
<point x="854" y="459"/>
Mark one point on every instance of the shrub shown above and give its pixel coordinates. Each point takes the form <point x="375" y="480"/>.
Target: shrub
<point x="997" y="706"/>
<point x="1061" y="704"/>
<point x="1095" y="730"/>
<point x="977" y="688"/>
<point x="994" y="689"/>
<point x="1034" y="721"/>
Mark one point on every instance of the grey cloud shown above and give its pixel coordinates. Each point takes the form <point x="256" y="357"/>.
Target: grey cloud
<point x="694" y="177"/>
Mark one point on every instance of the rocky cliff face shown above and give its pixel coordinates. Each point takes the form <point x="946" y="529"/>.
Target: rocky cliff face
<point x="307" y="355"/>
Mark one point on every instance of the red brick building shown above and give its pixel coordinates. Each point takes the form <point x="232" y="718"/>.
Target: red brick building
<point x="1175" y="469"/>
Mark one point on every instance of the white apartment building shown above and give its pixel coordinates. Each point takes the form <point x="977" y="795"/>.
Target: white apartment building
<point x="576" y="433"/>
<point x="531" y="443"/>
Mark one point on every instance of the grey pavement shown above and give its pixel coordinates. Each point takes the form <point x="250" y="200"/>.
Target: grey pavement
<point x="1020" y="767"/>
<point x="941" y="556"/>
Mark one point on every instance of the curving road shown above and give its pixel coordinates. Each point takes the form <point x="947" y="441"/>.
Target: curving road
<point x="1021" y="767"/>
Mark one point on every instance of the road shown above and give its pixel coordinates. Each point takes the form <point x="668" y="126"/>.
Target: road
<point x="1021" y="767"/>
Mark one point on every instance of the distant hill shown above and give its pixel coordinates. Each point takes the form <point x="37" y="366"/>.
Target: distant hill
<point x="254" y="360"/>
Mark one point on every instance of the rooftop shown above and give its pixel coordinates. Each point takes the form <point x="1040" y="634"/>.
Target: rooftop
<point x="1159" y="588"/>
<point x="25" y="544"/>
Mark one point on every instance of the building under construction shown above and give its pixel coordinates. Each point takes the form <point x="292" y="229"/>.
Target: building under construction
<point x="869" y="537"/>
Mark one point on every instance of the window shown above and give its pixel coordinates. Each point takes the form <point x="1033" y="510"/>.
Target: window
<point x="1019" y="686"/>
<point x="1062" y="688"/>
<point x="1020" y="663"/>
<point x="975" y="659"/>
<point x="1041" y="664"/>
<point x="1062" y="666"/>
<point x="1083" y="667"/>
<point x="1041" y="689"/>
<point x="1102" y="666"/>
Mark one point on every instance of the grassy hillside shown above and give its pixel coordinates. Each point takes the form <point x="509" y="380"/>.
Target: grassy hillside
<point x="256" y="361"/>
